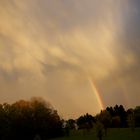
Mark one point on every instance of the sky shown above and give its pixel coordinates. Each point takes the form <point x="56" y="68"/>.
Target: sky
<point x="79" y="55"/>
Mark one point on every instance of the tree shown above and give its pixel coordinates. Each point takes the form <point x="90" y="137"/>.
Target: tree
<point x="137" y="116"/>
<point x="71" y="123"/>
<point x="99" y="130"/>
<point x="131" y="119"/>
<point x="26" y="119"/>
<point x="116" y="121"/>
<point x="118" y="111"/>
<point x="85" y="122"/>
<point x="105" y="118"/>
<point x="111" y="111"/>
<point x="123" y="116"/>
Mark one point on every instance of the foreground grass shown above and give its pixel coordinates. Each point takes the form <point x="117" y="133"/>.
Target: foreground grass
<point x="113" y="134"/>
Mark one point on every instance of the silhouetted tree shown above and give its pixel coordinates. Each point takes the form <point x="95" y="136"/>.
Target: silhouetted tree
<point x="111" y="111"/>
<point x="118" y="111"/>
<point x="26" y="119"/>
<point x="105" y="118"/>
<point x="85" y="122"/>
<point x="116" y="121"/>
<point x="131" y="119"/>
<point x="137" y="116"/>
<point x="71" y="123"/>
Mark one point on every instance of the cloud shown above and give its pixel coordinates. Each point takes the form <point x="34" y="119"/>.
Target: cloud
<point x="45" y="45"/>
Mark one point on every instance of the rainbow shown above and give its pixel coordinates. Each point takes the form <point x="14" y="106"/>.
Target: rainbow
<point x="96" y="92"/>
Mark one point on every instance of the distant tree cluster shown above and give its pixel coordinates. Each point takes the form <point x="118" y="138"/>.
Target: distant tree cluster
<point x="118" y="116"/>
<point x="29" y="120"/>
<point x="85" y="121"/>
<point x="124" y="118"/>
<point x="113" y="117"/>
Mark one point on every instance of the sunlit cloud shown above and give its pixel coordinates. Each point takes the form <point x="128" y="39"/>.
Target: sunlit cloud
<point x="50" y="48"/>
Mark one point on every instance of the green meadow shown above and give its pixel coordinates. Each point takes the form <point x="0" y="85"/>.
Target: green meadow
<point x="112" y="134"/>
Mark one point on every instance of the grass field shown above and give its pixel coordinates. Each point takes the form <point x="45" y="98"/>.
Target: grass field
<point x="113" y="134"/>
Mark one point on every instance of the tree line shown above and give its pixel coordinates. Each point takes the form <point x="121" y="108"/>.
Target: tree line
<point x="36" y="119"/>
<point x="111" y="117"/>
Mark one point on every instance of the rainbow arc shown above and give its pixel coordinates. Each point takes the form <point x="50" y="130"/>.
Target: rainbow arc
<point x="96" y="93"/>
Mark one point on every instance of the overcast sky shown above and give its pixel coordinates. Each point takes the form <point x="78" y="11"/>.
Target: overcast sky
<point x="51" y="48"/>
